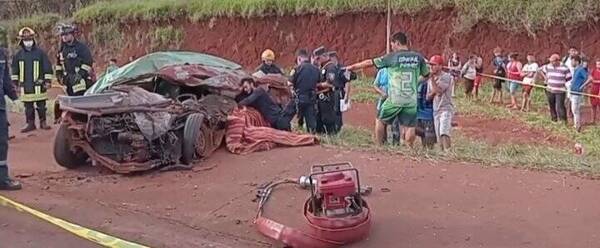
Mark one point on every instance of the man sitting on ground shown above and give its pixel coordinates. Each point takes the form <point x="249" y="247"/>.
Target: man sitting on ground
<point x="258" y="98"/>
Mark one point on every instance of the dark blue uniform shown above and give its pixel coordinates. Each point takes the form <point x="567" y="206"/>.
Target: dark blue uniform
<point x="328" y="101"/>
<point x="305" y="78"/>
<point x="277" y="117"/>
<point x="425" y="127"/>
<point x="8" y="90"/>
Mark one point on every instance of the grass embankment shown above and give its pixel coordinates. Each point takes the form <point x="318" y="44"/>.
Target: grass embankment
<point x="534" y="14"/>
<point x="469" y="150"/>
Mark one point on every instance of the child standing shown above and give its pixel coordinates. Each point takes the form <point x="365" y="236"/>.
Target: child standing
<point x="529" y="74"/>
<point x="513" y="69"/>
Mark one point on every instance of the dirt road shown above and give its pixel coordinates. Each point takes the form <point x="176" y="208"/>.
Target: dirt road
<point x="415" y="203"/>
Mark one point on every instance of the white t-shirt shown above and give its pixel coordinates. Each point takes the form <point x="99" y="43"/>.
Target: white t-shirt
<point x="533" y="67"/>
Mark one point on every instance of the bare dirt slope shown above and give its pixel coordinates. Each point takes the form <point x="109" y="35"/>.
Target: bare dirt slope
<point x="415" y="204"/>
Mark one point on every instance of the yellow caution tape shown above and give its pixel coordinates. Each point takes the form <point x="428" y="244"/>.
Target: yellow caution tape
<point x="91" y="235"/>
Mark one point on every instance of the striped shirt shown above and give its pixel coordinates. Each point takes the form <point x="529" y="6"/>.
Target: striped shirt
<point x="556" y="77"/>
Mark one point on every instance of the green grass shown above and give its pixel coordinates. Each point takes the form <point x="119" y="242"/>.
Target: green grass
<point x="512" y="14"/>
<point x="468" y="150"/>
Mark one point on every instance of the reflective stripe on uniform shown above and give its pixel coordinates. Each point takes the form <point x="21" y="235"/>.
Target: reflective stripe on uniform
<point x="21" y="71"/>
<point x="14" y="77"/>
<point x="34" y="97"/>
<point x="80" y="86"/>
<point x="48" y="76"/>
<point x="36" y="70"/>
<point x="37" y="89"/>
<point x="3" y="162"/>
<point x="86" y="67"/>
<point x="58" y="68"/>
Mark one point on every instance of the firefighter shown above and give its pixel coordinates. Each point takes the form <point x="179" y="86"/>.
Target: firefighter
<point x="326" y="99"/>
<point x="32" y="72"/>
<point x="74" y="65"/>
<point x="268" y="63"/>
<point x="6" y="89"/>
<point x="340" y="79"/>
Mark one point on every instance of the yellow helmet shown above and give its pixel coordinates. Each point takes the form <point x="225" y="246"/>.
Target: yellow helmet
<point x="26" y="32"/>
<point x="268" y="55"/>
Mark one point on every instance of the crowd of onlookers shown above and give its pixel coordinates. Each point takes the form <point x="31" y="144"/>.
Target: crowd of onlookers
<point x="565" y="81"/>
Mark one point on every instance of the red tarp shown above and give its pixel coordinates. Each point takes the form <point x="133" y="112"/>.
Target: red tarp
<point x="248" y="132"/>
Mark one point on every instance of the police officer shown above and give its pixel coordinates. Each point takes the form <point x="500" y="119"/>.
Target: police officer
<point x="326" y="99"/>
<point x="268" y="65"/>
<point x="74" y="66"/>
<point x="339" y="79"/>
<point x="6" y="183"/>
<point x="304" y="79"/>
<point x="32" y="72"/>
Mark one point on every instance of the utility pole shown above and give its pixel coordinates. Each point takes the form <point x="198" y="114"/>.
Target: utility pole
<point x="389" y="26"/>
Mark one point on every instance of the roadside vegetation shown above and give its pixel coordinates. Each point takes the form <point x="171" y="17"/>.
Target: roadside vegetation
<point x="533" y="14"/>
<point x="466" y="149"/>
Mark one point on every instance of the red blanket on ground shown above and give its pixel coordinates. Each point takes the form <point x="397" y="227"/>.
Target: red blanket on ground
<point x="248" y="132"/>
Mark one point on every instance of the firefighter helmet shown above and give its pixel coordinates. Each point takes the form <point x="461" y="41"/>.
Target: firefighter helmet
<point x="26" y="33"/>
<point x="268" y="55"/>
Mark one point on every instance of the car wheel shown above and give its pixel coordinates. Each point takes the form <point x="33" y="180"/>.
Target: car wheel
<point x="193" y="139"/>
<point x="63" y="154"/>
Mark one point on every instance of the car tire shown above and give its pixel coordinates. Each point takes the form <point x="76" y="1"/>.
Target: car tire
<point x="193" y="139"/>
<point x="62" y="150"/>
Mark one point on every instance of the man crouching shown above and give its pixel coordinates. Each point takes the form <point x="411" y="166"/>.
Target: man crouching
<point x="440" y="85"/>
<point x="258" y="98"/>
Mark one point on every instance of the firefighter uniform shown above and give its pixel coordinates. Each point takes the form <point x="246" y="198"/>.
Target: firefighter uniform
<point x="6" y="89"/>
<point x="74" y="65"/>
<point x="32" y="72"/>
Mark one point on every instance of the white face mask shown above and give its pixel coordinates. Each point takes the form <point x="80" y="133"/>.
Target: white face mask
<point x="28" y="43"/>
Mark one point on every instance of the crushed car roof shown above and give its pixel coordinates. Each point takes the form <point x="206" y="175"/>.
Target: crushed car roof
<point x="149" y="66"/>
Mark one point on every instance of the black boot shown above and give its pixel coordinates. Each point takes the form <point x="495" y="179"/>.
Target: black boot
<point x="5" y="182"/>
<point x="44" y="126"/>
<point x="28" y="128"/>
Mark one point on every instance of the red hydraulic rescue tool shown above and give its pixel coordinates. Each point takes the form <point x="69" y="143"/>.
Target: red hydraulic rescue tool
<point x="335" y="212"/>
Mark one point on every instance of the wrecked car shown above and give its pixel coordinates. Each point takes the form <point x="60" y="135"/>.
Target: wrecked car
<point x="164" y="109"/>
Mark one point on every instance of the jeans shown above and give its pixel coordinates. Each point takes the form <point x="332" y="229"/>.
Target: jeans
<point x="576" y="101"/>
<point x="556" y="102"/>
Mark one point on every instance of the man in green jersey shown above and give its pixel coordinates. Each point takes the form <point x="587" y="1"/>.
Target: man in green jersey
<point x="405" y="67"/>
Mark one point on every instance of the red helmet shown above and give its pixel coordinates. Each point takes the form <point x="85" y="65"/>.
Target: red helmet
<point x="436" y="60"/>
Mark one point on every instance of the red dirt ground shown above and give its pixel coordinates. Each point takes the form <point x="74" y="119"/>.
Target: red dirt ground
<point x="429" y="204"/>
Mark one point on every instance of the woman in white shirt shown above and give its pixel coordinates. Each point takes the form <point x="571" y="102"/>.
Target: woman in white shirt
<point x="529" y="74"/>
<point x="469" y="72"/>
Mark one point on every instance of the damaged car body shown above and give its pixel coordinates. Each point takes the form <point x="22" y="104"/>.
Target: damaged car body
<point x="164" y="109"/>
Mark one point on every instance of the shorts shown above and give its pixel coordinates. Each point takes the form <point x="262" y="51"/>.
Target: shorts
<point x="498" y="82"/>
<point x="406" y="116"/>
<point x="443" y="122"/>
<point x="477" y="82"/>
<point x="512" y="88"/>
<point x="527" y="88"/>
<point x="469" y="86"/>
